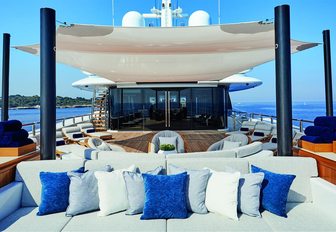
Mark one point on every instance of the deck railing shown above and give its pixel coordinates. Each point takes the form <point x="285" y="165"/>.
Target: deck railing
<point x="298" y="124"/>
<point x="67" y="121"/>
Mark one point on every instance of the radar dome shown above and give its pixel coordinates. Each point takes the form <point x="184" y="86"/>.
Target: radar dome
<point x="199" y="18"/>
<point x="133" y="19"/>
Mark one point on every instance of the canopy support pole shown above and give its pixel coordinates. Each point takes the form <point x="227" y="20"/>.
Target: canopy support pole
<point x="48" y="83"/>
<point x="226" y="105"/>
<point x="328" y="73"/>
<point x="5" y="77"/>
<point x="283" y="80"/>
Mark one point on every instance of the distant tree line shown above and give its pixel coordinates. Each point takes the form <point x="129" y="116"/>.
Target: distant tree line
<point x="32" y="101"/>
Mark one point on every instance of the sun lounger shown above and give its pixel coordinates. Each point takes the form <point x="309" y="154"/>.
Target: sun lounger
<point x="247" y="127"/>
<point x="262" y="131"/>
<point x="89" y="130"/>
<point x="73" y="134"/>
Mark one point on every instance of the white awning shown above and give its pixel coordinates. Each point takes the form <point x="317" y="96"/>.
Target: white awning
<point x="155" y="54"/>
<point x="239" y="82"/>
<point x="91" y="83"/>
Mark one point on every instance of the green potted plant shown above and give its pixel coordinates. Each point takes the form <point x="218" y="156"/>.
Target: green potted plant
<point x="167" y="149"/>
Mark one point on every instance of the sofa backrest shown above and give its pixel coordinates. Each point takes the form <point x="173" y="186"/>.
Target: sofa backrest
<point x="217" y="164"/>
<point x="205" y="154"/>
<point x="111" y="155"/>
<point x="144" y="164"/>
<point x="303" y="168"/>
<point x="248" y="150"/>
<point x="28" y="172"/>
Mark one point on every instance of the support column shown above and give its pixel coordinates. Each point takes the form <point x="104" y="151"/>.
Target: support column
<point x="283" y="80"/>
<point x="48" y="83"/>
<point x="226" y="105"/>
<point x="5" y="77"/>
<point x="327" y="73"/>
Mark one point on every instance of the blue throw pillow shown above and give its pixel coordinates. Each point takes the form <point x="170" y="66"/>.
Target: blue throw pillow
<point x="244" y="129"/>
<point x="274" y="191"/>
<point x="258" y="133"/>
<point x="77" y="136"/>
<point x="90" y="130"/>
<point x="55" y="192"/>
<point x="165" y="196"/>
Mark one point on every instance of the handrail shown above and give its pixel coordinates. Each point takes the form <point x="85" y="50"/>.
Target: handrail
<point x="252" y="115"/>
<point x="33" y="124"/>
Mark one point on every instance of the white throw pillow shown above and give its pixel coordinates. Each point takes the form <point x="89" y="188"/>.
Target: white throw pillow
<point x="168" y="140"/>
<point x="230" y="145"/>
<point x="222" y="193"/>
<point x="112" y="191"/>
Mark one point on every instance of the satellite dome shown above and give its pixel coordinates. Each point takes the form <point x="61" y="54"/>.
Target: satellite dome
<point x="133" y="19"/>
<point x="199" y="18"/>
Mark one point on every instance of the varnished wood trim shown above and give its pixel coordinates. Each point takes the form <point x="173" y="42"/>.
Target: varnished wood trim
<point x="326" y="167"/>
<point x="7" y="169"/>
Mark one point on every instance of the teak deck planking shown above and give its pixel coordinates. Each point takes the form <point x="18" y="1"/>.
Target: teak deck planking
<point x="194" y="141"/>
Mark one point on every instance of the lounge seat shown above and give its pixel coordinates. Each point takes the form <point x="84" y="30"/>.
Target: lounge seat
<point x="246" y="128"/>
<point x="99" y="144"/>
<point x="60" y="139"/>
<point x="154" y="146"/>
<point x="262" y="131"/>
<point x="73" y="134"/>
<point x="220" y="145"/>
<point x="89" y="130"/>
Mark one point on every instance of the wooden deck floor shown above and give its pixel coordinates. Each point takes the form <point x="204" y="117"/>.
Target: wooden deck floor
<point x="138" y="141"/>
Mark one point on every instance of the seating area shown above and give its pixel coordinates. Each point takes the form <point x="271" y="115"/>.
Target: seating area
<point x="309" y="205"/>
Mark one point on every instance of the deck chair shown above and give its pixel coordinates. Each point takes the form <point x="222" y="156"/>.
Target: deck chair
<point x="246" y="128"/>
<point x="222" y="145"/>
<point x="261" y="131"/>
<point x="154" y="146"/>
<point x="99" y="144"/>
<point x="73" y="134"/>
<point x="59" y="139"/>
<point x="89" y="130"/>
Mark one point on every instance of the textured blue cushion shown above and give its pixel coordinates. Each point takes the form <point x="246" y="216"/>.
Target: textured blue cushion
<point x="244" y="129"/>
<point x="274" y="191"/>
<point x="55" y="192"/>
<point x="326" y="121"/>
<point x="165" y="196"/>
<point x="88" y="153"/>
<point x="136" y="190"/>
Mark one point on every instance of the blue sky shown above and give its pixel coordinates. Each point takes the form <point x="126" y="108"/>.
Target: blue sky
<point x="308" y="19"/>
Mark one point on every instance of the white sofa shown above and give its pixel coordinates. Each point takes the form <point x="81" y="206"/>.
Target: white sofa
<point x="310" y="204"/>
<point x="253" y="150"/>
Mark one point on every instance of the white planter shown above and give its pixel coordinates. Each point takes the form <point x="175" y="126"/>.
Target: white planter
<point x="167" y="152"/>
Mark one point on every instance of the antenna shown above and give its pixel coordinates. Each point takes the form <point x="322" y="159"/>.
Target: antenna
<point x="219" y="12"/>
<point x="112" y="12"/>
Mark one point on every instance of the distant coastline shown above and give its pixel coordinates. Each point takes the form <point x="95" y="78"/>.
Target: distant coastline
<point x="17" y="102"/>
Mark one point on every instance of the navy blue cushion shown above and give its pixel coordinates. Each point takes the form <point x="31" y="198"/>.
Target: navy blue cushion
<point x="165" y="196"/>
<point x="76" y="136"/>
<point x="258" y="133"/>
<point x="90" y="131"/>
<point x="60" y="142"/>
<point x="55" y="192"/>
<point x="274" y="191"/>
<point x="15" y="143"/>
<point x="326" y="121"/>
<point x="312" y="139"/>
<point x="318" y="131"/>
<point x="11" y="125"/>
<point x="244" y="129"/>
<point x="13" y="136"/>
<point x="274" y="140"/>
